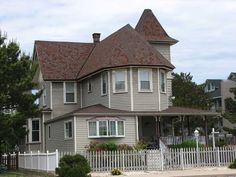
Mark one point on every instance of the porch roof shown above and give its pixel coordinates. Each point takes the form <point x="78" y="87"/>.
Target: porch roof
<point x="100" y="110"/>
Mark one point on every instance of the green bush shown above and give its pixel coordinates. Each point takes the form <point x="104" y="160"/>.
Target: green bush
<point x="116" y="171"/>
<point x="102" y="146"/>
<point x="73" y="166"/>
<point x="140" y="145"/>
<point x="124" y="147"/>
<point x="233" y="165"/>
<point x="186" y="144"/>
<point x="3" y="168"/>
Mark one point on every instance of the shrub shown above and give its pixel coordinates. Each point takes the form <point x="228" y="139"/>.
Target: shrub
<point x="140" y="145"/>
<point x="186" y="144"/>
<point x="73" y="166"/>
<point x="124" y="147"/>
<point x="116" y="171"/>
<point x="3" y="168"/>
<point x="102" y="146"/>
<point x="233" y="165"/>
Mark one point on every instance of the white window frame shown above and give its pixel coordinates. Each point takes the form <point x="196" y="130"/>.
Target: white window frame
<point x="31" y="130"/>
<point x="49" y="132"/>
<point x="89" y="85"/>
<point x="150" y="80"/>
<point x="102" y="75"/>
<point x="114" y="81"/>
<point x="160" y="81"/>
<point x="108" y="129"/>
<point x="75" y="92"/>
<point x="65" y="135"/>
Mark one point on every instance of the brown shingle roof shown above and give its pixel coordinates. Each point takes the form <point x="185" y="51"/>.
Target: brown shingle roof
<point x="151" y="29"/>
<point x="125" y="47"/>
<point x="61" y="60"/>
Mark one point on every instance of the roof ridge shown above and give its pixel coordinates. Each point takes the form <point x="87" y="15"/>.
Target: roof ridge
<point x="68" y="42"/>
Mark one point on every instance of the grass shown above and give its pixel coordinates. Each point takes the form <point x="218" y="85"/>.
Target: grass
<point x="25" y="173"/>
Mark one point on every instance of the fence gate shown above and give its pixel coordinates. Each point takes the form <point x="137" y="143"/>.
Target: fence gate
<point x="10" y="161"/>
<point x="154" y="160"/>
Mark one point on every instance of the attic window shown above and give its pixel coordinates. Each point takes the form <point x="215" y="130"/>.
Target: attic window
<point x="70" y="92"/>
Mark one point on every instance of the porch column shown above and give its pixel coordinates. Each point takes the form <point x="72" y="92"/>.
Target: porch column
<point x="206" y="128"/>
<point x="157" y="119"/>
<point x="182" y="127"/>
<point x="188" y="122"/>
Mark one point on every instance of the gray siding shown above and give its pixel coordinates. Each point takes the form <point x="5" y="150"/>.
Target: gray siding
<point x="57" y="140"/>
<point x="145" y="101"/>
<point x="120" y="100"/>
<point x="169" y="90"/>
<point x="35" y="147"/>
<point x="58" y="106"/>
<point x="47" y="116"/>
<point x="82" y="133"/>
<point x="164" y="49"/>
<point x="95" y="96"/>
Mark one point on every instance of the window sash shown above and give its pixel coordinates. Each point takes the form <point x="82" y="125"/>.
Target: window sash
<point x="145" y="79"/>
<point x="92" y="129"/>
<point x="120" y="81"/>
<point x="68" y="129"/>
<point x="103" y="128"/>
<point x="70" y="92"/>
<point x="89" y="86"/>
<point x="35" y="130"/>
<point x="162" y="82"/>
<point x="120" y="127"/>
<point x="104" y="85"/>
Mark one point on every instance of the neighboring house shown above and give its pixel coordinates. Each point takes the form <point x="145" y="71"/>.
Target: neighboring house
<point x="118" y="89"/>
<point x="220" y="90"/>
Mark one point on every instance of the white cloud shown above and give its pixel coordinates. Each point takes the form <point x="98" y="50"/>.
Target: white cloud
<point x="205" y="28"/>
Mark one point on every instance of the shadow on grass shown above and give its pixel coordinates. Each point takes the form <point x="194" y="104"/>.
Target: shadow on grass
<point x="25" y="173"/>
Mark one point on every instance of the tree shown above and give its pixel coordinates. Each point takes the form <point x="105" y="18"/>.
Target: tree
<point x="230" y="106"/>
<point x="17" y="103"/>
<point x="188" y="94"/>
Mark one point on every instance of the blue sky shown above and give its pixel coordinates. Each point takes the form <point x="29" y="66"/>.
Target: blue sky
<point x="206" y="29"/>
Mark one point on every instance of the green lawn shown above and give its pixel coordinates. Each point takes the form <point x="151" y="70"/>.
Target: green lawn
<point x="25" y="173"/>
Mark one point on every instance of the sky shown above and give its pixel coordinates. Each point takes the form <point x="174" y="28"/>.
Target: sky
<point x="206" y="29"/>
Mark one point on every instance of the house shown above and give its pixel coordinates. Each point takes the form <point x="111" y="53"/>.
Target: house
<point x="118" y="89"/>
<point x="219" y="90"/>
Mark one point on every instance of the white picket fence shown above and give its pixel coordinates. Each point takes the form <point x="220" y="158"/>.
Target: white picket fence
<point x="148" y="160"/>
<point x="39" y="161"/>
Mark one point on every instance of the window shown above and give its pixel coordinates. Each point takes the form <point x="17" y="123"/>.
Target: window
<point x="104" y="80"/>
<point x="35" y="132"/>
<point x="89" y="86"/>
<point x="163" y="82"/>
<point x="68" y="129"/>
<point x="210" y="87"/>
<point x="44" y="95"/>
<point x="49" y="132"/>
<point x="145" y="80"/>
<point x="70" y="92"/>
<point x="120" y="81"/>
<point x="106" y="128"/>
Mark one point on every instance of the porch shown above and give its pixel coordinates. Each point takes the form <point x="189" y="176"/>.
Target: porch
<point x="175" y="125"/>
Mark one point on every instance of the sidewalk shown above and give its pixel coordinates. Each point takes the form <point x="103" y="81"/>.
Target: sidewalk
<point x="177" y="173"/>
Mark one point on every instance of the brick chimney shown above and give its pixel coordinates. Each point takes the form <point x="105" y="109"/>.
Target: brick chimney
<point x="96" y="37"/>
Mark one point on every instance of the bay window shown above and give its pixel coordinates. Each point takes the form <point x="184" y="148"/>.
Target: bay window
<point x="145" y="80"/>
<point x="70" y="92"/>
<point x="106" y="128"/>
<point x="120" y="81"/>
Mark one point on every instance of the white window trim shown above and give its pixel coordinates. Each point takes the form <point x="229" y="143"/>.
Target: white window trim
<point x="65" y="122"/>
<point x="161" y="71"/>
<point x="49" y="132"/>
<point x="89" y="83"/>
<point x="30" y="130"/>
<point x="44" y="95"/>
<point x="114" y="81"/>
<point x="106" y="136"/>
<point x="139" y="84"/>
<point x="102" y="74"/>
<point x="75" y="92"/>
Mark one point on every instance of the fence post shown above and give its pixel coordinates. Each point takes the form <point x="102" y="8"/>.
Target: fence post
<point x="182" y="158"/>
<point x="24" y="161"/>
<point x="57" y="159"/>
<point x="17" y="160"/>
<point x="162" y="160"/>
<point x="218" y="156"/>
<point x="8" y="161"/>
<point x="47" y="162"/>
<point x="123" y="159"/>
